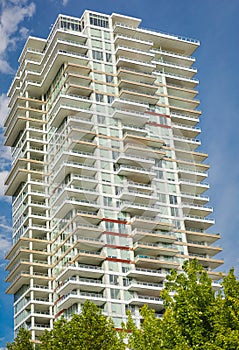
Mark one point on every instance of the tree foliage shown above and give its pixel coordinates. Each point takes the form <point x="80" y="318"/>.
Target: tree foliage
<point x="89" y="330"/>
<point x="22" y="341"/>
<point x="196" y="317"/>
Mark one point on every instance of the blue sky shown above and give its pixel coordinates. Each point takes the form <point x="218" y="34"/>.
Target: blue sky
<point x="215" y="23"/>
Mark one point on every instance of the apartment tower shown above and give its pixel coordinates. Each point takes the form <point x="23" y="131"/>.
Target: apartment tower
<point x="107" y="183"/>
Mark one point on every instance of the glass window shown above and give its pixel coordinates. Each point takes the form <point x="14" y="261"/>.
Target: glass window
<point x="97" y="55"/>
<point x="116" y="308"/>
<point x="108" y="68"/>
<point x="109" y="78"/>
<point x="99" y="97"/>
<point x="113" y="266"/>
<point x="98" y="76"/>
<point x="97" y="43"/>
<point x="107" y="35"/>
<point x="110" y="99"/>
<point x="109" y="226"/>
<point x="100" y="119"/>
<point x="107" y="46"/>
<point x="174" y="211"/>
<point x="96" y="32"/>
<point x="110" y="239"/>
<point x="100" y="21"/>
<point x="106" y="177"/>
<point x="114" y="279"/>
<point x="108" y="57"/>
<point x="97" y="66"/>
<point x="105" y="188"/>
<point x="108" y="201"/>
<point x="173" y="199"/>
<point x="115" y="293"/>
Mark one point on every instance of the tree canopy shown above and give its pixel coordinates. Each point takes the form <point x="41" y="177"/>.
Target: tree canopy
<point x="197" y="317"/>
<point x="89" y="330"/>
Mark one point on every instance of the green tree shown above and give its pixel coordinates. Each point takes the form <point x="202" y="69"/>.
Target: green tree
<point x="196" y="316"/>
<point x="22" y="341"/>
<point x="189" y="301"/>
<point x="149" y="335"/>
<point x="87" y="331"/>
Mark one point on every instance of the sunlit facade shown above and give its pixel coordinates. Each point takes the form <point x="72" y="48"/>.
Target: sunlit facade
<point x="107" y="182"/>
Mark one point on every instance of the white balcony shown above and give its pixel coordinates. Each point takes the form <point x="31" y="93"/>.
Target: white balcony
<point x="201" y="236"/>
<point x="155" y="303"/>
<point x="127" y="194"/>
<point x="80" y="297"/>
<point x="141" y="96"/>
<point x="83" y="284"/>
<point x="193" y="187"/>
<point x="77" y="168"/>
<point x="202" y="248"/>
<point x="153" y="262"/>
<point x="132" y="41"/>
<point x="135" y="208"/>
<point x="149" y="223"/>
<point x="89" y="257"/>
<point x="154" y="249"/>
<point x="135" y="160"/>
<point x="88" y="244"/>
<point x="140" y="235"/>
<point x="184" y="130"/>
<point x="134" y="53"/>
<point x="132" y="74"/>
<point x="148" y="275"/>
<point x="82" y="270"/>
<point x="76" y="203"/>
<point x="173" y="68"/>
<point x="136" y="173"/>
<point x="196" y="209"/>
<point x="198" y="222"/>
<point x="145" y="288"/>
<point x="191" y="175"/>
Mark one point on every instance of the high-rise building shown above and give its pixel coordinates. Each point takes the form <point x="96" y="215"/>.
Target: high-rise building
<point x="106" y="179"/>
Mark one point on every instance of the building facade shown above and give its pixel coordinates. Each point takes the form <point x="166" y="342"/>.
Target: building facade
<point x="106" y="179"/>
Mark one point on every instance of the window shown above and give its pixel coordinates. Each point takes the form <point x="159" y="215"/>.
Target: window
<point x="174" y="211"/>
<point x="99" y="97"/>
<point x="110" y="99"/>
<point x="109" y="78"/>
<point x="111" y="239"/>
<point x="99" y="21"/>
<point x="100" y="119"/>
<point x="108" y="201"/>
<point x="115" y="293"/>
<point x="108" y="57"/>
<point x="109" y="226"/>
<point x="97" y="55"/>
<point x="173" y="199"/>
<point x="114" y="279"/>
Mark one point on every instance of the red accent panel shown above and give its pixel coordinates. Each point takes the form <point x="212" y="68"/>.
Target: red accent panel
<point x="58" y="300"/>
<point x="120" y="260"/>
<point x="115" y="234"/>
<point x="117" y="247"/>
<point x="160" y="114"/>
<point x="161" y="125"/>
<point x="124" y="222"/>
<point x="59" y="313"/>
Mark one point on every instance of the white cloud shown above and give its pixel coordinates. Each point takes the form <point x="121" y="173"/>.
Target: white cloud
<point x="13" y="12"/>
<point x="3" y="175"/>
<point x="3" y="107"/>
<point x="65" y="2"/>
<point x="5" y="237"/>
<point x="5" y="153"/>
